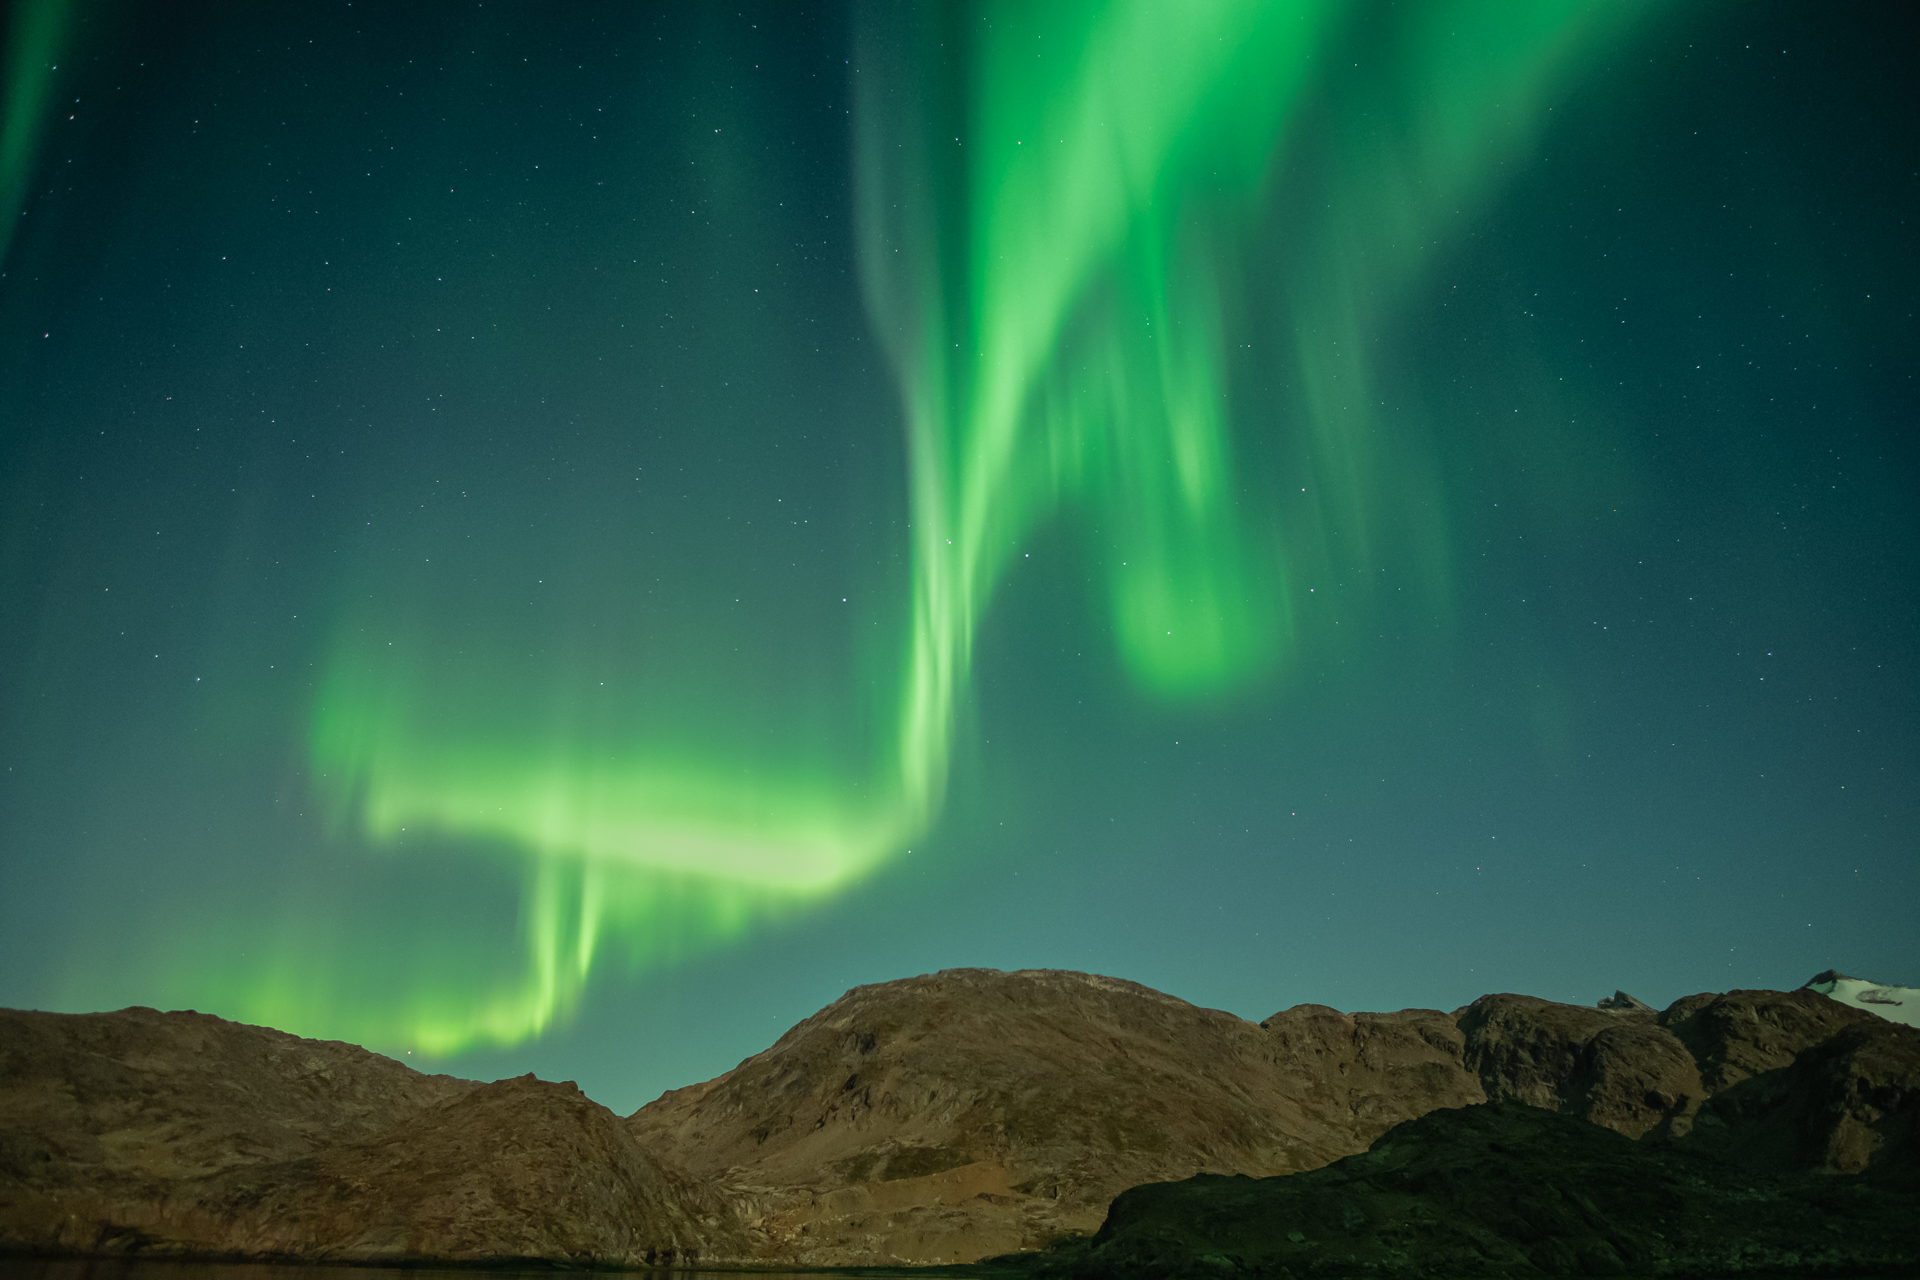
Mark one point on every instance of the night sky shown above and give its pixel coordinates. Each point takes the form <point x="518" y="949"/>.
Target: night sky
<point x="562" y="538"/>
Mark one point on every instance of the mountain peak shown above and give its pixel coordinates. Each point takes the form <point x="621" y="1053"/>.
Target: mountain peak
<point x="1895" y="1004"/>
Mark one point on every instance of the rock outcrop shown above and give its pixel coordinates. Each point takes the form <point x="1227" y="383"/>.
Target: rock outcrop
<point x="1616" y="1067"/>
<point x="1779" y="1080"/>
<point x="974" y="1112"/>
<point x="937" y="1119"/>
<point x="182" y="1134"/>
<point x="1501" y="1190"/>
<point x="142" y="1095"/>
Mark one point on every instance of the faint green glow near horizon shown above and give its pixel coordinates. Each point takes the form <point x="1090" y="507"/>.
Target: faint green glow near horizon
<point x="1048" y="256"/>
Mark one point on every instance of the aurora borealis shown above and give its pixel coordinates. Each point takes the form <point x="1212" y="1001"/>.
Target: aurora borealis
<point x="570" y="539"/>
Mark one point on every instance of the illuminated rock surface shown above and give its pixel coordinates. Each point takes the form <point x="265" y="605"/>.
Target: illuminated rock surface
<point x="183" y="1134"/>
<point x="947" y="1117"/>
<point x="974" y="1113"/>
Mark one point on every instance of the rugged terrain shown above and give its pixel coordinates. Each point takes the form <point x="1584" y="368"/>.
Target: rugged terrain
<point x="183" y="1134"/>
<point x="937" y="1119"/>
<point x="975" y="1112"/>
<point x="1503" y="1190"/>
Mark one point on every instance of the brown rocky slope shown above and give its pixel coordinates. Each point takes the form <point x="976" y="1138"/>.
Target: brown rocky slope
<point x="972" y="1112"/>
<point x="183" y="1134"/>
<point x="944" y="1118"/>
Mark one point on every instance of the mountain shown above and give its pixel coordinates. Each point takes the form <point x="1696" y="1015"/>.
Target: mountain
<point x="974" y="1112"/>
<point x="1501" y="1190"/>
<point x="183" y="1134"/>
<point x="970" y="1112"/>
<point x="1895" y="1004"/>
<point x="938" y="1119"/>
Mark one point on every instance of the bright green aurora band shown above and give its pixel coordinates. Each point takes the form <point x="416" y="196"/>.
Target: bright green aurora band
<point x="1057" y="247"/>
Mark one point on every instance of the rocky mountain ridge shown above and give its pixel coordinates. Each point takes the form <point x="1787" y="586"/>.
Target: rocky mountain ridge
<point x="1500" y="1190"/>
<point x="182" y="1134"/>
<point x="972" y="1113"/>
<point x="939" y="1119"/>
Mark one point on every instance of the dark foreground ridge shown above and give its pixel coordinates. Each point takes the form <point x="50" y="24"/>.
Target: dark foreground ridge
<point x="1498" y="1190"/>
<point x="969" y="1114"/>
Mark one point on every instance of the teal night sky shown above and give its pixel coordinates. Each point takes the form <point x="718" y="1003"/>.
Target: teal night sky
<point x="562" y="538"/>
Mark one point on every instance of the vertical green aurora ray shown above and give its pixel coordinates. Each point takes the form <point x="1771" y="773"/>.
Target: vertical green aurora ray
<point x="1069" y="346"/>
<point x="34" y="37"/>
<point x="1049" y="224"/>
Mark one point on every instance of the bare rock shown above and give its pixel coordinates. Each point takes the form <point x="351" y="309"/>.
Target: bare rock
<point x="1731" y="1071"/>
<point x="945" y="1118"/>
<point x="517" y="1169"/>
<point x="1846" y="1104"/>
<point x="1826" y="976"/>
<point x="1618" y="1068"/>
<point x="972" y="1112"/>
<point x="1501" y="1190"/>
<point x="937" y="1119"/>
<point x="1372" y="1071"/>
<point x="1620" y="1000"/>
<point x="1748" y="1033"/>
<point x="141" y="1094"/>
<point x="180" y="1134"/>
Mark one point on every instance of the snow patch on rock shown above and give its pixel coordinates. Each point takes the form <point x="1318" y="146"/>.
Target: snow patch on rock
<point x="1895" y="1004"/>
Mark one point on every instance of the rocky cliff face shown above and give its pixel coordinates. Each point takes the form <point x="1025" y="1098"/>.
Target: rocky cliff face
<point x="936" y="1119"/>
